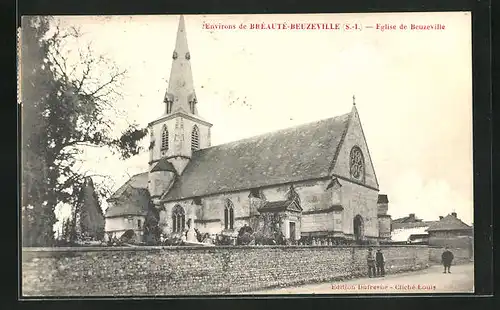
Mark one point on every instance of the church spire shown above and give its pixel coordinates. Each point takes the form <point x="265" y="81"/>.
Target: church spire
<point x="180" y="95"/>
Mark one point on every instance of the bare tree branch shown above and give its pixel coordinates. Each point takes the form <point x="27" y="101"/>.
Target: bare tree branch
<point x="112" y="80"/>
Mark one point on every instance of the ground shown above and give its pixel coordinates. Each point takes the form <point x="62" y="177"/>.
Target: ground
<point x="430" y="280"/>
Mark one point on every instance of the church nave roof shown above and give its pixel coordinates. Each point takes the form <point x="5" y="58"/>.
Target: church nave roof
<point x="289" y="155"/>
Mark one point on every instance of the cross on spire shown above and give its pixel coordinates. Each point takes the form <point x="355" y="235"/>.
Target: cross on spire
<point x="353" y="100"/>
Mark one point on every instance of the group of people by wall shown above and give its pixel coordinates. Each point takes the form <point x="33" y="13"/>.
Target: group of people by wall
<point x="376" y="263"/>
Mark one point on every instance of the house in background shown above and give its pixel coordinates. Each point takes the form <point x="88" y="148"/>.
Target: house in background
<point x="450" y="231"/>
<point x="410" y="229"/>
<point x="415" y="235"/>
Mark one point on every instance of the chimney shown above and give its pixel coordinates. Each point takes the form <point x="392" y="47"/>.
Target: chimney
<point x="454" y="214"/>
<point x="382" y="199"/>
<point x="440" y="217"/>
<point x="412" y="216"/>
<point x="382" y="204"/>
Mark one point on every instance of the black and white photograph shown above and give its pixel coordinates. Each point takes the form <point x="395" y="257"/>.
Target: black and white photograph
<point x="258" y="154"/>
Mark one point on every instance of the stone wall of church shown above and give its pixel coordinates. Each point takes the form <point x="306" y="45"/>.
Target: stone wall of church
<point x="315" y="201"/>
<point x="156" y="131"/>
<point x="355" y="137"/>
<point x="384" y="227"/>
<point x="159" y="182"/>
<point x="316" y="223"/>
<point x="187" y="124"/>
<point x="149" y="271"/>
<point x="204" y="131"/>
<point x="213" y="208"/>
<point x="313" y="194"/>
<point x="191" y="211"/>
<point x="209" y="216"/>
<point x="357" y="199"/>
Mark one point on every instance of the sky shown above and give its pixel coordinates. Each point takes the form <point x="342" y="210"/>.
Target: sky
<point x="413" y="90"/>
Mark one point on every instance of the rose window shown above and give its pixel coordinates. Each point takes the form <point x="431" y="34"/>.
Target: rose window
<point x="357" y="163"/>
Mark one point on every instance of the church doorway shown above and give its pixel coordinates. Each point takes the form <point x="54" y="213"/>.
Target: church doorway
<point x="358" y="228"/>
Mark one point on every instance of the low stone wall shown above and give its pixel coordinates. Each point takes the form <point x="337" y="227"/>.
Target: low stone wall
<point x="461" y="255"/>
<point x="198" y="270"/>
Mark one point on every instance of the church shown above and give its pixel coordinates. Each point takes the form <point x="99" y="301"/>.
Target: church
<point x="318" y="177"/>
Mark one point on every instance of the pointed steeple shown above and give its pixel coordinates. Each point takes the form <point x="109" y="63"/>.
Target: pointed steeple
<point x="180" y="96"/>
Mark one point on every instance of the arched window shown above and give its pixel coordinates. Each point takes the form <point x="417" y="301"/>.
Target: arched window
<point x="164" y="138"/>
<point x="358" y="228"/>
<point x="195" y="139"/>
<point x="228" y="215"/>
<point x="178" y="219"/>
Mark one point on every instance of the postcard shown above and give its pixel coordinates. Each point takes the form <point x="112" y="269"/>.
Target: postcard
<point x="167" y="155"/>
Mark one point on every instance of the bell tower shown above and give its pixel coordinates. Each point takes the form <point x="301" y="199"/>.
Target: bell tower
<point x="180" y="131"/>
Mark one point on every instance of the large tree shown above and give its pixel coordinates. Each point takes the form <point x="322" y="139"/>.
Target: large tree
<point x="69" y="100"/>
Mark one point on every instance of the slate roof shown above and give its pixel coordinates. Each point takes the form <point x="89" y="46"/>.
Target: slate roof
<point x="406" y="219"/>
<point x="132" y="198"/>
<point x="288" y="155"/>
<point x="277" y="206"/>
<point x="163" y="165"/>
<point x="449" y="222"/>
<point x="133" y="201"/>
<point x="420" y="223"/>
<point x="136" y="181"/>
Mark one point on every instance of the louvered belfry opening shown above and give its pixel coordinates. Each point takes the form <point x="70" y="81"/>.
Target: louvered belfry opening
<point x="164" y="138"/>
<point x="195" y="139"/>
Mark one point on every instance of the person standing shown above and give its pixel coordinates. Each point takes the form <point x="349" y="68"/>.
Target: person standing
<point x="447" y="259"/>
<point x="370" y="260"/>
<point x="379" y="260"/>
